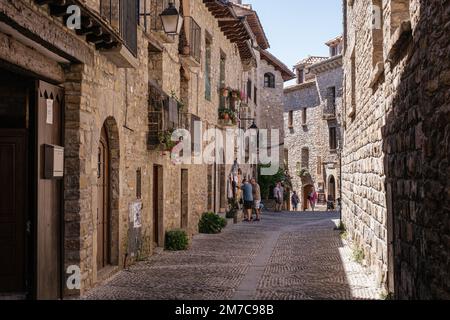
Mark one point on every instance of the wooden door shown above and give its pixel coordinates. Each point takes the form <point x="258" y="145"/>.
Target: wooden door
<point x="103" y="216"/>
<point x="157" y="204"/>
<point x="222" y="188"/>
<point x="12" y="210"/>
<point x="306" y="191"/>
<point x="49" y="218"/>
<point x="184" y="199"/>
<point x="332" y="189"/>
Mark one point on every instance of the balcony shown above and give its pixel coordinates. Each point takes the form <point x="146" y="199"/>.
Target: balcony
<point x="149" y="11"/>
<point x="113" y="31"/>
<point x="163" y="116"/>
<point x="190" y="42"/>
<point x="121" y="15"/>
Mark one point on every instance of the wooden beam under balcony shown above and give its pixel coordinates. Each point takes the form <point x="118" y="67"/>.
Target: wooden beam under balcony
<point x="93" y="26"/>
<point x="32" y="25"/>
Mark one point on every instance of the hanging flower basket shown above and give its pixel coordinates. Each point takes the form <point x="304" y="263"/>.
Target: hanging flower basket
<point x="227" y="115"/>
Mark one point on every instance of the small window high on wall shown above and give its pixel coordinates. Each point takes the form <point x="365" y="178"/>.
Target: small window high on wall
<point x="269" y="80"/>
<point x="377" y="31"/>
<point x="291" y="120"/>
<point x="300" y="76"/>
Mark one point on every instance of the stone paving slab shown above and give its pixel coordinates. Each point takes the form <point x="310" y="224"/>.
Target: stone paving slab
<point x="288" y="256"/>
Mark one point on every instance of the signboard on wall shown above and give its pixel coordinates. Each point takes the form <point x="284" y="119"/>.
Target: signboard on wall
<point x="136" y="214"/>
<point x="49" y="111"/>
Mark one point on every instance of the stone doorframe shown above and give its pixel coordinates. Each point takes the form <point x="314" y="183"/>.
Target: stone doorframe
<point x="112" y="132"/>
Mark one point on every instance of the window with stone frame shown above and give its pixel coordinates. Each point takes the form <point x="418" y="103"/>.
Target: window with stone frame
<point x="249" y="90"/>
<point x="352" y="107"/>
<point x="377" y="32"/>
<point x="269" y="80"/>
<point x="305" y="158"/>
<point x="222" y="78"/>
<point x="300" y="76"/>
<point x="331" y="98"/>
<point x="319" y="165"/>
<point x="291" y="119"/>
<point x="304" y="116"/>
<point x="208" y="68"/>
<point x="333" y="138"/>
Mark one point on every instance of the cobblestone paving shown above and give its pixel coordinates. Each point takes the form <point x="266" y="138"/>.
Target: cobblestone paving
<point x="287" y="256"/>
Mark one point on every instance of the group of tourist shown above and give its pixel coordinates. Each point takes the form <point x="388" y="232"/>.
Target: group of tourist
<point x="251" y="193"/>
<point x="251" y="197"/>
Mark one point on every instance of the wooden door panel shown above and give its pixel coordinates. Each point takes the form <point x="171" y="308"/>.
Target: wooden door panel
<point x="156" y="205"/>
<point x="48" y="195"/>
<point x="103" y="216"/>
<point x="12" y="210"/>
<point x="184" y="199"/>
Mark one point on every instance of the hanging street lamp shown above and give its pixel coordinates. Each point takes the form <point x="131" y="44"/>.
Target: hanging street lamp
<point x="172" y="20"/>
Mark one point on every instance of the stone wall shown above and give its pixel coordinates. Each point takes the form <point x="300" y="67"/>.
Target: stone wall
<point x="416" y="144"/>
<point x="98" y="95"/>
<point x="396" y="145"/>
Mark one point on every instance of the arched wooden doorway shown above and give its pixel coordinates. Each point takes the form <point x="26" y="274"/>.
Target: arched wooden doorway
<point x="332" y="189"/>
<point x="306" y="191"/>
<point x="103" y="199"/>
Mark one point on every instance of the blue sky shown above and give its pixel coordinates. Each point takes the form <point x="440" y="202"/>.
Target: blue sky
<point x="297" y="28"/>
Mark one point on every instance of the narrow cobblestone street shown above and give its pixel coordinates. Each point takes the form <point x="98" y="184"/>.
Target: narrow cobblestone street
<point x="289" y="256"/>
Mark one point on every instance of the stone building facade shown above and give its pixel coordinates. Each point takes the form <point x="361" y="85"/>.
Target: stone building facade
<point x="108" y="93"/>
<point x="395" y="164"/>
<point x="312" y="117"/>
<point x="273" y="74"/>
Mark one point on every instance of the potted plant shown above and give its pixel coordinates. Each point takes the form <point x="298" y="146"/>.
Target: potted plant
<point x="165" y="140"/>
<point x="236" y="94"/>
<point x="227" y="115"/>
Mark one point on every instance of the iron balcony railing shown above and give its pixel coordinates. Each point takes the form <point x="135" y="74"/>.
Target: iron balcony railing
<point x="122" y="16"/>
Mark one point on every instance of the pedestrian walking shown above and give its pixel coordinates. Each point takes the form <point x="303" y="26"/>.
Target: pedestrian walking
<point x="313" y="196"/>
<point x="247" y="190"/>
<point x="295" y="201"/>
<point x="277" y="195"/>
<point x="256" y="199"/>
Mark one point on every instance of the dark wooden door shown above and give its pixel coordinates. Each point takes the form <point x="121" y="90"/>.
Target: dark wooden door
<point x="12" y="210"/>
<point x="306" y="192"/>
<point x="332" y="189"/>
<point x="103" y="216"/>
<point x="157" y="193"/>
<point x="222" y="188"/>
<point x="184" y="199"/>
